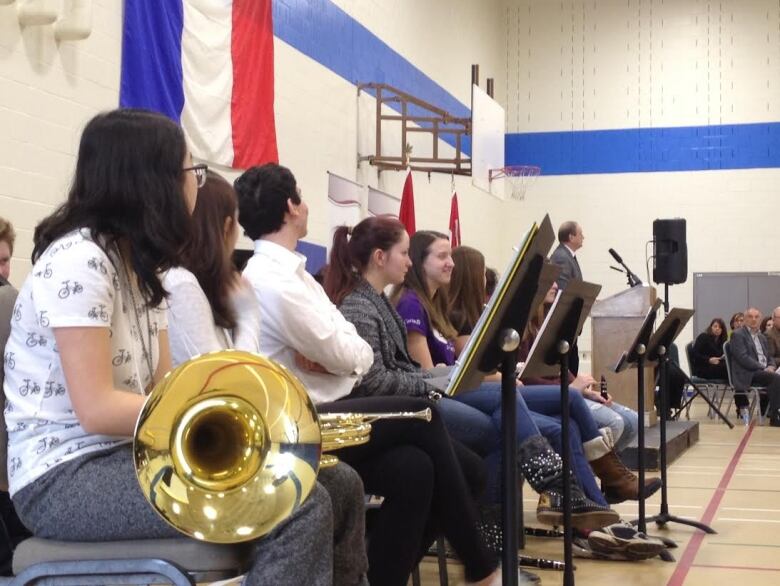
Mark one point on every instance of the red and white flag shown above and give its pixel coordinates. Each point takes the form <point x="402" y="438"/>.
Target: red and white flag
<point x="454" y="221"/>
<point x="406" y="213"/>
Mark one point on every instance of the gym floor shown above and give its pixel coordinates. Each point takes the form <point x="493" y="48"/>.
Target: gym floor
<point x="729" y="480"/>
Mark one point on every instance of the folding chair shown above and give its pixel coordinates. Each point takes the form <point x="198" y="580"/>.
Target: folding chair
<point x="711" y="386"/>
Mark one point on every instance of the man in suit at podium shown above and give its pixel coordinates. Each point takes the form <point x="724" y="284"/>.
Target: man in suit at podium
<point x="752" y="364"/>
<point x="570" y="238"/>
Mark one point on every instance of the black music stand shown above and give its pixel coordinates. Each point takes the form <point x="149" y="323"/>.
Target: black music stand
<point x="657" y="350"/>
<point x="494" y="344"/>
<point x="635" y="357"/>
<point x="549" y="355"/>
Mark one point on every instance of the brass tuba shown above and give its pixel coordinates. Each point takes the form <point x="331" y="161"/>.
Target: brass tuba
<point x="229" y="444"/>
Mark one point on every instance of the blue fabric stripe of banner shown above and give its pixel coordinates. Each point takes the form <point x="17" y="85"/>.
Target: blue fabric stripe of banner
<point x="151" y="57"/>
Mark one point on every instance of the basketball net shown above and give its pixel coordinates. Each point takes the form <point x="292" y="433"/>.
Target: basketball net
<point x="520" y="177"/>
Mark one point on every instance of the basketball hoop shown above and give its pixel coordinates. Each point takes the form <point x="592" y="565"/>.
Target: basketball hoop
<point x="520" y="177"/>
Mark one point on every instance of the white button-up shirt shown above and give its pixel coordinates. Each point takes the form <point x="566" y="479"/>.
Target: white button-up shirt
<point x="297" y="315"/>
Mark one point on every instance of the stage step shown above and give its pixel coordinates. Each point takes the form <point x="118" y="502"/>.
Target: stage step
<point x="680" y="435"/>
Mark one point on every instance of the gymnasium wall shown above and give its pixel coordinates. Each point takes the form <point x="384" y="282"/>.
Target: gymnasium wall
<point x="323" y="48"/>
<point x="48" y="91"/>
<point x="644" y="109"/>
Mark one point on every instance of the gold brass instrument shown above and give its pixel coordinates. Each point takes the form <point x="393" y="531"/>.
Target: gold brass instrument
<point x="341" y="430"/>
<point x="229" y="444"/>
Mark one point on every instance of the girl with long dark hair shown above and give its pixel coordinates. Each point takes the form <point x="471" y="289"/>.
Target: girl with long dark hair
<point x="89" y="337"/>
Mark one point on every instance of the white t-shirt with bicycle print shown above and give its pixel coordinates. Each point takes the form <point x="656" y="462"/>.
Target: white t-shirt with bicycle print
<point x="73" y="284"/>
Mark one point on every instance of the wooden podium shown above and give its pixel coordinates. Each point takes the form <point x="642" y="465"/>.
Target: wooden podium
<point x="614" y="324"/>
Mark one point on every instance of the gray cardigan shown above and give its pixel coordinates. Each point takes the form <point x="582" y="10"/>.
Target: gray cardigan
<point x="378" y="323"/>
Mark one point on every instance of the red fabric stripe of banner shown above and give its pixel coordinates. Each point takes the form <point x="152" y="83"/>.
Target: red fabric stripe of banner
<point x="252" y="105"/>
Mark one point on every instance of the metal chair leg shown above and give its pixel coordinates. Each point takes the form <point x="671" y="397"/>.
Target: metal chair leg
<point x="441" y="554"/>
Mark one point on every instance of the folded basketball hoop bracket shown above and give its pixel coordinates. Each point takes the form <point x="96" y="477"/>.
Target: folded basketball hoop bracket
<point x="520" y="177"/>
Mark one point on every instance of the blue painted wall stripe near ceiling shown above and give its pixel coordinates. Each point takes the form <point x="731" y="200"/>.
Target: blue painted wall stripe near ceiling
<point x="321" y="30"/>
<point x="692" y="148"/>
<point x="328" y="35"/>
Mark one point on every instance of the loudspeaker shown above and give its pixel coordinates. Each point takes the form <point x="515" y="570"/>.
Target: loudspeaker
<point x="670" y="264"/>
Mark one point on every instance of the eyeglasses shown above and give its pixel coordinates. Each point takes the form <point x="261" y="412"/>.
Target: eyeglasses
<point x="200" y="173"/>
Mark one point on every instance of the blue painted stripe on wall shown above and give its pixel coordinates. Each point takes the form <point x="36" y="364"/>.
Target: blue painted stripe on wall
<point x="691" y="148"/>
<point x="321" y="30"/>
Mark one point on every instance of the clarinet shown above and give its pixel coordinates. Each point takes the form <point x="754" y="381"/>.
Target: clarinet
<point x="541" y="563"/>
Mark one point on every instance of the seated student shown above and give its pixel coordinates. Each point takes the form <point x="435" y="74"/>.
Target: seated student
<point x="465" y="286"/>
<point x="7" y="239"/>
<point x="375" y="256"/>
<point x="94" y="294"/>
<point x="411" y="463"/>
<point x="210" y="307"/>
<point x="621" y="420"/>
<point x="707" y="352"/>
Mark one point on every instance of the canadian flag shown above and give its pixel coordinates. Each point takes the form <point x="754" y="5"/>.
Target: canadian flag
<point x="406" y="213"/>
<point x="454" y="221"/>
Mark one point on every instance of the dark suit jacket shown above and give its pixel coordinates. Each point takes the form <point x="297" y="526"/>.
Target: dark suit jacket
<point x="744" y="358"/>
<point x="569" y="267"/>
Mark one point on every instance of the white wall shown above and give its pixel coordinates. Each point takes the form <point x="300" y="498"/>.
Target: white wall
<point x="616" y="64"/>
<point x="317" y="111"/>
<point x="48" y="91"/>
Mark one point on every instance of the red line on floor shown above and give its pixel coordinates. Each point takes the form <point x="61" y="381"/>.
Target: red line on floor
<point x="686" y="561"/>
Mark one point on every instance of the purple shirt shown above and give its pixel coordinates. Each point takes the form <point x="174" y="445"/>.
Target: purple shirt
<point x="411" y="310"/>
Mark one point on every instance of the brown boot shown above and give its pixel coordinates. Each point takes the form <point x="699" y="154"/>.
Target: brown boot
<point x="617" y="482"/>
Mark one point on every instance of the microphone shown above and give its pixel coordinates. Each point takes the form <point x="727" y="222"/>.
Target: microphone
<point x="633" y="280"/>
<point x="616" y="256"/>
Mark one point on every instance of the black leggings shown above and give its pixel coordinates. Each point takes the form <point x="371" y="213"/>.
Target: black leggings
<point x="428" y="482"/>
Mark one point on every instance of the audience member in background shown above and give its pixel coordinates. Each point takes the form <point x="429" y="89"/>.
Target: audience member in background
<point x="773" y="336"/>
<point x="707" y="351"/>
<point x="736" y="322"/>
<point x="752" y="364"/>
<point x="7" y="239"/>
<point x="766" y="324"/>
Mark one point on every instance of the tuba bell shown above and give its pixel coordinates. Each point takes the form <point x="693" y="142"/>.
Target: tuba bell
<point x="229" y="444"/>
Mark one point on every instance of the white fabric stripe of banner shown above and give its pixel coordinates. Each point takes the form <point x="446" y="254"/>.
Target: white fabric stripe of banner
<point x="207" y="72"/>
<point x="344" y="204"/>
<point x="381" y="202"/>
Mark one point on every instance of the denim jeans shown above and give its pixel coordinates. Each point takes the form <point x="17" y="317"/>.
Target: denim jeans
<point x="621" y="420"/>
<point x="487" y="399"/>
<point x="470" y="426"/>
<point x="546" y="399"/>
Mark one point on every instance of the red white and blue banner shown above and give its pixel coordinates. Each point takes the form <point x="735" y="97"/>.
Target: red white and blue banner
<point x="208" y="64"/>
